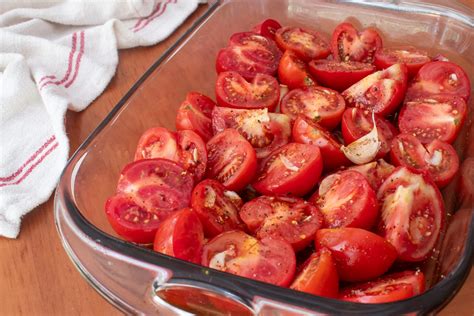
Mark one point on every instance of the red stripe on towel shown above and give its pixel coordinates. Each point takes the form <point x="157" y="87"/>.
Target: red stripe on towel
<point x="155" y="15"/>
<point x="78" y="61"/>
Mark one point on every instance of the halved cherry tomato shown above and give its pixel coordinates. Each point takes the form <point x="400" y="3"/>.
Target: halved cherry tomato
<point x="339" y="75"/>
<point x="217" y="208"/>
<point x="184" y="147"/>
<point x="358" y="122"/>
<point x="291" y="169"/>
<point x="412" y="214"/>
<point x="265" y="131"/>
<point x="436" y="117"/>
<point x="293" y="71"/>
<point x="319" y="275"/>
<point x="291" y="219"/>
<point x="412" y="57"/>
<point x="249" y="54"/>
<point x="267" y="260"/>
<point x="195" y="114"/>
<point x="440" y="77"/>
<point x="346" y="199"/>
<point x="348" y="44"/>
<point x="267" y="28"/>
<point x="233" y="91"/>
<point x="438" y="158"/>
<point x="231" y="160"/>
<point x="390" y="288"/>
<point x="467" y="182"/>
<point x="305" y="131"/>
<point x="181" y="236"/>
<point x="307" y="44"/>
<point x="375" y="172"/>
<point x="380" y="92"/>
<point x="322" y="105"/>
<point x="359" y="254"/>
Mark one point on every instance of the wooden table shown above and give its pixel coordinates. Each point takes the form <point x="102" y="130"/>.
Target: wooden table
<point x="36" y="276"/>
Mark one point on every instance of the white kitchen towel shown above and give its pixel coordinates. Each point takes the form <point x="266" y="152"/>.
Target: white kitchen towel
<point x="58" y="55"/>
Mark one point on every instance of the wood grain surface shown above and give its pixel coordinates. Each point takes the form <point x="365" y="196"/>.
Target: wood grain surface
<point x="36" y="276"/>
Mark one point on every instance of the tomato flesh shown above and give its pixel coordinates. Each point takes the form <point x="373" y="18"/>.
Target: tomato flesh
<point x="294" y="72"/>
<point x="305" y="43"/>
<point x="375" y="172"/>
<point x="412" y="57"/>
<point x="195" y="114"/>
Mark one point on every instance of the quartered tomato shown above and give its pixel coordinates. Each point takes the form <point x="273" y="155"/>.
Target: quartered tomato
<point x="440" y="77"/>
<point x="321" y="105"/>
<point x="291" y="219"/>
<point x="318" y="276"/>
<point x="265" y="131"/>
<point x="291" y="169"/>
<point x="412" y="214"/>
<point x="393" y="287"/>
<point x="231" y="160"/>
<point x="249" y="54"/>
<point x="232" y="90"/>
<point x="307" y="44"/>
<point x="436" y="117"/>
<point x="267" y="28"/>
<point x="305" y="131"/>
<point x="267" y="260"/>
<point x="380" y="92"/>
<point x="184" y="147"/>
<point x="375" y="172"/>
<point x="348" y="44"/>
<point x="346" y="199"/>
<point x="217" y="208"/>
<point x="293" y="71"/>
<point x="438" y="159"/>
<point x="195" y="114"/>
<point x="359" y="254"/>
<point x="181" y="236"/>
<point x="358" y="122"/>
<point x="339" y="75"/>
<point x="412" y="57"/>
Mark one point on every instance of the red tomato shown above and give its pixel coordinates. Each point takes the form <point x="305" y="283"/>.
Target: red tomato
<point x="412" y="57"/>
<point x="380" y="92"/>
<point x="389" y="288"/>
<point x="195" y="114"/>
<point x="249" y="54"/>
<point x="231" y="160"/>
<point x="291" y="169"/>
<point x="359" y="254"/>
<point x="358" y="122"/>
<point x="412" y="214"/>
<point x="322" y="105"/>
<point x="217" y="208"/>
<point x="233" y="91"/>
<point x="293" y="71"/>
<point x="181" y="236"/>
<point x="439" y="159"/>
<point x="267" y="260"/>
<point x="319" y="275"/>
<point x="437" y="117"/>
<point x="467" y="182"/>
<point x="375" y="172"/>
<point x="307" y="44"/>
<point x="346" y="199"/>
<point x="440" y="77"/>
<point x="305" y="131"/>
<point x="265" y="131"/>
<point x="291" y="219"/>
<point x="184" y="147"/>
<point x="267" y="28"/>
<point x="348" y="44"/>
<point x="339" y="75"/>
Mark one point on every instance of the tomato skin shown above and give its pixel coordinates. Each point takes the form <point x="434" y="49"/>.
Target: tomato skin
<point x="278" y="176"/>
<point x="412" y="57"/>
<point x="319" y="275"/>
<point x="195" y="114"/>
<point x="216" y="207"/>
<point x="305" y="131"/>
<point x="347" y="44"/>
<point x="267" y="28"/>
<point x="375" y="172"/>
<point x="181" y="236"/>
<point x="231" y="160"/>
<point x="293" y="72"/>
<point x="305" y="43"/>
<point x="339" y="75"/>
<point x="390" y="288"/>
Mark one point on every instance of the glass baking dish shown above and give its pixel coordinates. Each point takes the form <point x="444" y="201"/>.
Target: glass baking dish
<point x="138" y="280"/>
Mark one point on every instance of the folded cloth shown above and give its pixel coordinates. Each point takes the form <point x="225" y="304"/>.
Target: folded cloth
<point x="54" y="56"/>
